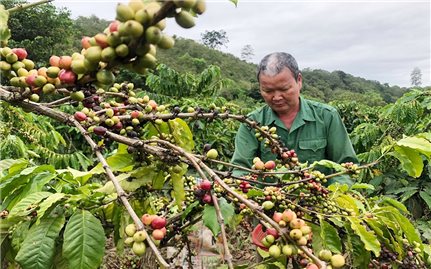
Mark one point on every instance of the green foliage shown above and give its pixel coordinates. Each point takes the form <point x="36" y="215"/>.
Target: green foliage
<point x="43" y="30"/>
<point x="397" y="130"/>
<point x="338" y="85"/>
<point x="84" y="241"/>
<point x="38" y="248"/>
<point x="189" y="90"/>
<point x="167" y="81"/>
<point x="354" y="113"/>
<point x="189" y="56"/>
<point x="4" y="29"/>
<point x="26" y="135"/>
<point x="89" y="26"/>
<point x="210" y="218"/>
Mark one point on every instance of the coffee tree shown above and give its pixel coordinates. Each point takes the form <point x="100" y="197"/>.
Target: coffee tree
<point x="151" y="190"/>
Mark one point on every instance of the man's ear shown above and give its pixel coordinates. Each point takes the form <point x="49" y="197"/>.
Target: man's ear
<point x="299" y="80"/>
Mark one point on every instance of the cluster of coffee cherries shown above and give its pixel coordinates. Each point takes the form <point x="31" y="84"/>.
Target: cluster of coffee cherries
<point x="258" y="164"/>
<point x="352" y="168"/>
<point x="274" y="198"/>
<point x="190" y="184"/>
<point x="266" y="129"/>
<point x="411" y="259"/>
<point x="114" y="116"/>
<point x="202" y="192"/>
<point x="244" y="186"/>
<point x="136" y="238"/>
<point x="301" y="234"/>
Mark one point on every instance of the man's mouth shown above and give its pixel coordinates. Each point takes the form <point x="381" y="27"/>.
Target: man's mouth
<point x="278" y="104"/>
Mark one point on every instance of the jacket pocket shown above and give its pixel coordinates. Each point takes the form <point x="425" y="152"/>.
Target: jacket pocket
<point x="312" y="150"/>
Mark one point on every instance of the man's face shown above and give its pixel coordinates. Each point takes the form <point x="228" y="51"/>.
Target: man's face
<point x="281" y="92"/>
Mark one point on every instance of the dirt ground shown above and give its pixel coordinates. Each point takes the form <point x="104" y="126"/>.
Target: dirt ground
<point x="209" y="252"/>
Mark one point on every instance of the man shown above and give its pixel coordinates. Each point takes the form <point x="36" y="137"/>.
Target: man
<point x="314" y="130"/>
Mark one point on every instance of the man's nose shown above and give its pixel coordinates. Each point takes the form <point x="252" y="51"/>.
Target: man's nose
<point x="277" y="96"/>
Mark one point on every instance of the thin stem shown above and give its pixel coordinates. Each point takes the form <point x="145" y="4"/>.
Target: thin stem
<point x="220" y="219"/>
<point x="22" y="7"/>
<point x="121" y="194"/>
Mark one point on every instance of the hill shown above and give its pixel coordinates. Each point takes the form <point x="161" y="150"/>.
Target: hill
<point x="190" y="56"/>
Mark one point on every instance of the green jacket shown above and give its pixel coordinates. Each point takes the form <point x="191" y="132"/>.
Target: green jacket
<point x="316" y="133"/>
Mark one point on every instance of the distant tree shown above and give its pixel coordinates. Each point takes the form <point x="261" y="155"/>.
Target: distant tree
<point x="214" y="39"/>
<point x="43" y="30"/>
<point x="90" y="26"/>
<point x="416" y="77"/>
<point x="247" y="53"/>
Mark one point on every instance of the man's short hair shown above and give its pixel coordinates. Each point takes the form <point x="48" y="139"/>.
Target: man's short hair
<point x="274" y="63"/>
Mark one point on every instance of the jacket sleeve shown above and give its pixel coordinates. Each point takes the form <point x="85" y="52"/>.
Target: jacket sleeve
<point x="246" y="147"/>
<point x="339" y="148"/>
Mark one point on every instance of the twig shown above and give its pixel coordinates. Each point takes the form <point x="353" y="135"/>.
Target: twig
<point x="26" y="6"/>
<point x="220" y="219"/>
<point x="121" y="194"/>
<point x="197" y="163"/>
<point x="57" y="102"/>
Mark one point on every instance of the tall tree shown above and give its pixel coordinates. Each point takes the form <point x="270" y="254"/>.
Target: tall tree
<point x="416" y="77"/>
<point x="247" y="53"/>
<point x="91" y="25"/>
<point x="43" y="30"/>
<point x="214" y="39"/>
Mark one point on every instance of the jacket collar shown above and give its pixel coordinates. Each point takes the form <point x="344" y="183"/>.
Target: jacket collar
<point x="305" y="114"/>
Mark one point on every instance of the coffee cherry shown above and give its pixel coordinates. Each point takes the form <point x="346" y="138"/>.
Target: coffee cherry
<point x="274" y="251"/>
<point x="269" y="165"/>
<point x="129" y="241"/>
<point x="130" y="229"/>
<point x="207" y="199"/>
<point x="158" y="234"/>
<point x="325" y="255"/>
<point x="295" y="234"/>
<point x="79" y="116"/>
<point x="139" y="236"/>
<point x="100" y="130"/>
<point x="270" y="239"/>
<point x="287" y="250"/>
<point x="205" y="185"/>
<point x="338" y="261"/>
<point x="267" y="205"/>
<point x="158" y="222"/>
<point x="147" y="219"/>
<point x="212" y="154"/>
<point x="139" y="248"/>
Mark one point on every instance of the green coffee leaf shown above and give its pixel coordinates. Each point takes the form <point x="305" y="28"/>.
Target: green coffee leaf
<point x="178" y="188"/>
<point x="369" y="238"/>
<point x="416" y="143"/>
<point x="360" y="255"/>
<point x="210" y="217"/>
<point x="38" y="248"/>
<point x="47" y="204"/>
<point x="329" y="164"/>
<point x="330" y="237"/>
<point x="26" y="205"/>
<point x="395" y="203"/>
<point x="84" y="241"/>
<point x="410" y="160"/>
<point x="426" y="197"/>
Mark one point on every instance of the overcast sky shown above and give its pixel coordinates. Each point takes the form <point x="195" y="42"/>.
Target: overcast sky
<point x="375" y="40"/>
